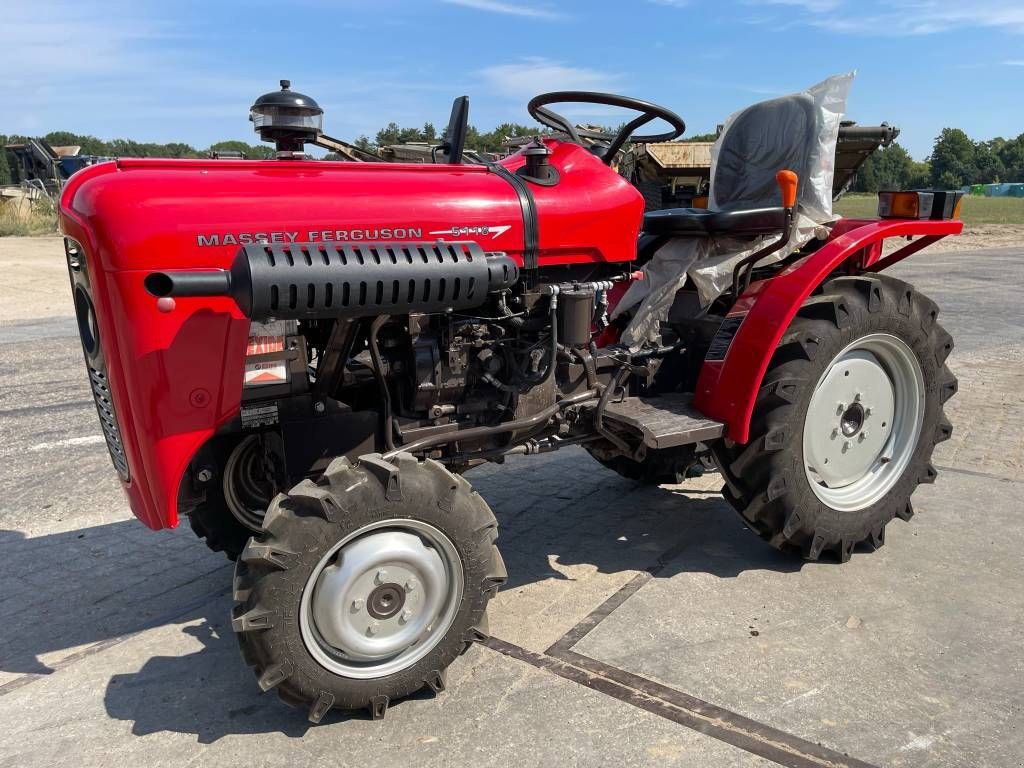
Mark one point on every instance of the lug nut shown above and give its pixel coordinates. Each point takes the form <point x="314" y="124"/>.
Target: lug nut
<point x="382" y="576"/>
<point x="357" y="605"/>
<point x="373" y="629"/>
<point x="835" y="433"/>
<point x="856" y="398"/>
<point x="410" y="585"/>
<point x="863" y="436"/>
<point x="846" y="445"/>
<point x="406" y="615"/>
<point x="204" y="475"/>
<point x="840" y="407"/>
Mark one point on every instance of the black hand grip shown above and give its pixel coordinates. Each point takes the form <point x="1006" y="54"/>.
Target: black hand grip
<point x="162" y="284"/>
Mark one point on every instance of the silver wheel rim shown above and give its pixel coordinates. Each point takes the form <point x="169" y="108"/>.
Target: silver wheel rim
<point x="381" y="598"/>
<point x="863" y="422"/>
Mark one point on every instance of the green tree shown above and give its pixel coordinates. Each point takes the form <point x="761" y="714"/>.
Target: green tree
<point x="5" y="169"/>
<point x="251" y="151"/>
<point x="919" y="177"/>
<point x="952" y="159"/>
<point x="890" y="168"/>
<point x="1011" y="155"/>
<point x="388" y="135"/>
<point x="988" y="166"/>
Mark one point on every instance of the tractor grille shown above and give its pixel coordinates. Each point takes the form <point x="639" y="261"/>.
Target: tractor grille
<point x="108" y="420"/>
<point x="95" y="361"/>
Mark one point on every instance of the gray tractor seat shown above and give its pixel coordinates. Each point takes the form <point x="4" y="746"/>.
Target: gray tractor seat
<point x="698" y="222"/>
<point x="763" y="139"/>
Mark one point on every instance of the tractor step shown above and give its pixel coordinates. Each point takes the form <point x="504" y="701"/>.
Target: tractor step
<point x="665" y="421"/>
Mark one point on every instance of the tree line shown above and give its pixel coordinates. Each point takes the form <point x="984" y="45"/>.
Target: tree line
<point x="129" y="148"/>
<point x="956" y="160"/>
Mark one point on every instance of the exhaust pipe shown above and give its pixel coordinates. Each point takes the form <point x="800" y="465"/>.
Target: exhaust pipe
<point x="308" y="281"/>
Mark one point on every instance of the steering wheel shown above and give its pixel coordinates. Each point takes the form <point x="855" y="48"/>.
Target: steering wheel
<point x="538" y="111"/>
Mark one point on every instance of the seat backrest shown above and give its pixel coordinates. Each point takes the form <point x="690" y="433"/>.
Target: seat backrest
<point x="763" y="139"/>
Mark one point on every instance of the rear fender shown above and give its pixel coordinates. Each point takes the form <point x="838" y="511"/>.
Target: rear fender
<point x="738" y="359"/>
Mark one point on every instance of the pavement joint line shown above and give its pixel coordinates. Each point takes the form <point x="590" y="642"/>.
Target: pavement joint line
<point x="976" y="473"/>
<point x="709" y="719"/>
<point x="30" y="677"/>
<point x="721" y="724"/>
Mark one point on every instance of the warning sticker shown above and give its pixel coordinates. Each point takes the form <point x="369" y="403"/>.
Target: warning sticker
<point x="270" y="372"/>
<point x="264" y="415"/>
<point x="266" y="337"/>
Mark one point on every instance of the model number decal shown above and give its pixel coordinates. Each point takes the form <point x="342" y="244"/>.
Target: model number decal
<point x="473" y="231"/>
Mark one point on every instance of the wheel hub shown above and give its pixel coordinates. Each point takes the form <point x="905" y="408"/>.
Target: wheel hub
<point x="852" y="420"/>
<point x="385" y="601"/>
<point x="381" y="598"/>
<point x="863" y="422"/>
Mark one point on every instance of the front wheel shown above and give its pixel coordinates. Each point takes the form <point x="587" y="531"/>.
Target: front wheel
<point x="364" y="587"/>
<point x="846" y="420"/>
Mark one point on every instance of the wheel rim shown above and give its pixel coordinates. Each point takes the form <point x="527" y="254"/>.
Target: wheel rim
<point x="381" y="598"/>
<point x="863" y="422"/>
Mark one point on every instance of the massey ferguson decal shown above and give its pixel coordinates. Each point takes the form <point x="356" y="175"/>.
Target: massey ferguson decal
<point x="310" y="236"/>
<point x="348" y="235"/>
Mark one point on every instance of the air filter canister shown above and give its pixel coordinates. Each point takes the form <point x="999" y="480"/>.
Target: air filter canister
<point x="575" y="317"/>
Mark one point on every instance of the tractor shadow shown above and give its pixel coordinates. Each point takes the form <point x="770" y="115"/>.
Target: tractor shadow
<point x="108" y="584"/>
<point x="575" y="512"/>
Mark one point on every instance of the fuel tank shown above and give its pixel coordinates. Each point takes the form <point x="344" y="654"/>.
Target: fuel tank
<point x="170" y="377"/>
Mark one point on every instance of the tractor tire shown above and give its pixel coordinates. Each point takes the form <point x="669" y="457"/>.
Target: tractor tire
<point x="365" y="585"/>
<point x="214" y="524"/>
<point x="845" y="422"/>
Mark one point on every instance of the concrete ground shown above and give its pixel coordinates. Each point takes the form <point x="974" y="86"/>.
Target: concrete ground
<point x="640" y="626"/>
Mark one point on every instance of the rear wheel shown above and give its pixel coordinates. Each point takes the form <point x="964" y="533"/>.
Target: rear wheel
<point x="364" y="587"/>
<point x="846" y="420"/>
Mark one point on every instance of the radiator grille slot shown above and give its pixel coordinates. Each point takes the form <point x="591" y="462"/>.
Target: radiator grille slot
<point x="95" y="362"/>
<point x="108" y="420"/>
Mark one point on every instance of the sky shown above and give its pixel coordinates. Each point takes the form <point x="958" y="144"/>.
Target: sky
<point x="188" y="70"/>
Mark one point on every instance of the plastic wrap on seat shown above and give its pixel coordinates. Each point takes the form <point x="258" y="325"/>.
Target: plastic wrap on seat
<point x="796" y="132"/>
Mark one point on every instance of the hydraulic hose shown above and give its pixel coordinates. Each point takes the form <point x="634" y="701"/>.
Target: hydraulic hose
<point x="382" y="382"/>
<point x="471" y="433"/>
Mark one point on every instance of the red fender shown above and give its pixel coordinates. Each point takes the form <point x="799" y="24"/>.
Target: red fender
<point x="728" y="384"/>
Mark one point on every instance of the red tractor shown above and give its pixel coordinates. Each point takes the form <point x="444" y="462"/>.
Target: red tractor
<point x="304" y="358"/>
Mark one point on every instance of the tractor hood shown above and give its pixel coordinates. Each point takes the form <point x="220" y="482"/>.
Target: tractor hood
<point x="171" y="214"/>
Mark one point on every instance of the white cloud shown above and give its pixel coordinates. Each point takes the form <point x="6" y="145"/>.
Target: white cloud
<point x="812" y="6"/>
<point x="509" y="9"/>
<point x="524" y="79"/>
<point x="671" y="3"/>
<point x="903" y="17"/>
<point x="1014" y="63"/>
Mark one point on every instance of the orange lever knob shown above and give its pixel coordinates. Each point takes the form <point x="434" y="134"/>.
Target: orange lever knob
<point x="787" y="181"/>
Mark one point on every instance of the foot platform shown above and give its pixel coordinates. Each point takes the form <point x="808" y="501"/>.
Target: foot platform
<point x="664" y="421"/>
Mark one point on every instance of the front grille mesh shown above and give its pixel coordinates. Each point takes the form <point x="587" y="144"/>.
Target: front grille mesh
<point x="108" y="421"/>
<point x="95" y="361"/>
